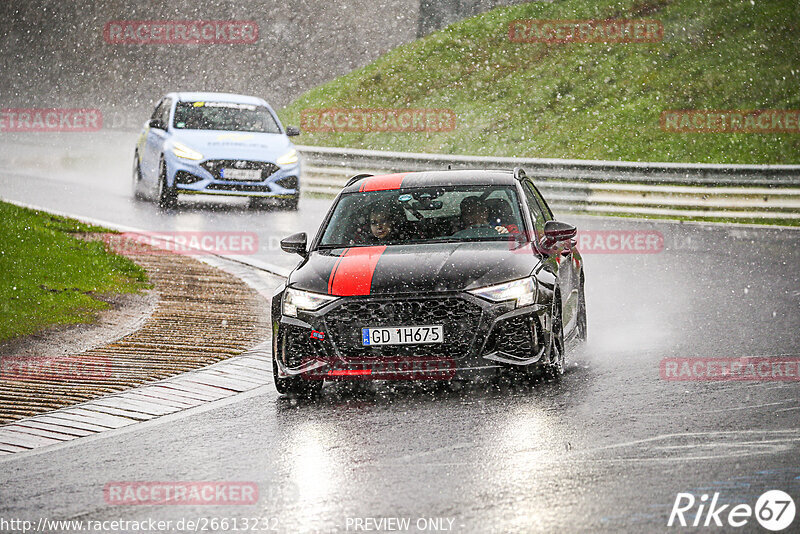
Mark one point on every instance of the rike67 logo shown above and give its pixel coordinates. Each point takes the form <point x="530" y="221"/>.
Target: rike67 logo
<point x="774" y="510"/>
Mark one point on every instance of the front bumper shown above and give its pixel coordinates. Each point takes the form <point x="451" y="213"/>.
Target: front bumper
<point x="203" y="178"/>
<point x="481" y="338"/>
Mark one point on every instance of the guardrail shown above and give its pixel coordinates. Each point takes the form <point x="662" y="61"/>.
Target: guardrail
<point x="607" y="187"/>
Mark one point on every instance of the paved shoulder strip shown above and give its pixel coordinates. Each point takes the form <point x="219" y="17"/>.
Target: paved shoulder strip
<point x="241" y="373"/>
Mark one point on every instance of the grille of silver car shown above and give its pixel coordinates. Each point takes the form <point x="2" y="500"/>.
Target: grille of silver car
<point x="215" y="166"/>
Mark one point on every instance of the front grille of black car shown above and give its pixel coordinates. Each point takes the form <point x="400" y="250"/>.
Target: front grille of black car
<point x="239" y="187"/>
<point x="515" y="337"/>
<point x="459" y="317"/>
<point x="215" y="166"/>
<point x="300" y="347"/>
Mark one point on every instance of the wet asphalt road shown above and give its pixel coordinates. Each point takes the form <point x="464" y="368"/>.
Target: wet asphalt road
<point x="605" y="449"/>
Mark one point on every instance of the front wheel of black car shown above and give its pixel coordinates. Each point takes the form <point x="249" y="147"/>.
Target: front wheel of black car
<point x="293" y="385"/>
<point x="554" y="368"/>
<point x="167" y="197"/>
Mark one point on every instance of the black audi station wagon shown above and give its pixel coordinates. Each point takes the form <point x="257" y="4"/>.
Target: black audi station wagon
<point x="439" y="275"/>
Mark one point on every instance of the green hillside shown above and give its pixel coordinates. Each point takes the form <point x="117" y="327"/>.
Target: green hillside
<point x="584" y="100"/>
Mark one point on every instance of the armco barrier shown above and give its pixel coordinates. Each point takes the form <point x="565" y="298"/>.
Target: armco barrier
<point x="609" y="187"/>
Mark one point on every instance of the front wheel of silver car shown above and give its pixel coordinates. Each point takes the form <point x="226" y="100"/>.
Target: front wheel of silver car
<point x="167" y="197"/>
<point x="291" y="204"/>
<point x="258" y="203"/>
<point x="136" y="178"/>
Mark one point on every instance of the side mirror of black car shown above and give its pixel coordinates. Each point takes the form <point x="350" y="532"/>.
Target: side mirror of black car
<point x="557" y="231"/>
<point x="156" y="123"/>
<point x="292" y="131"/>
<point x="295" y="244"/>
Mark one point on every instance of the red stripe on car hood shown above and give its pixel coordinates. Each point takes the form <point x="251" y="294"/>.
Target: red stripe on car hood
<point x="352" y="273"/>
<point x="383" y="183"/>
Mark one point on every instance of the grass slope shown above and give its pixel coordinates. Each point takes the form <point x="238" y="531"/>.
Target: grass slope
<point x="48" y="277"/>
<point x="590" y="100"/>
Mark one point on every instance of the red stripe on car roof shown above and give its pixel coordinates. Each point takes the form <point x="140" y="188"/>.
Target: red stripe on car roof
<point x="383" y="183"/>
<point x="352" y="274"/>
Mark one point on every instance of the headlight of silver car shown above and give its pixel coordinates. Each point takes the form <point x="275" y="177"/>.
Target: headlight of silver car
<point x="185" y="152"/>
<point x="288" y="158"/>
<point x="522" y="291"/>
<point x="294" y="299"/>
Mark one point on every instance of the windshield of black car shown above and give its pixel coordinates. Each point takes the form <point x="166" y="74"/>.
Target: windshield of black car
<point x="424" y="215"/>
<point x="229" y="116"/>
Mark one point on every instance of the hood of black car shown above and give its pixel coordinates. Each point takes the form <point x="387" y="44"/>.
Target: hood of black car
<point x="413" y="268"/>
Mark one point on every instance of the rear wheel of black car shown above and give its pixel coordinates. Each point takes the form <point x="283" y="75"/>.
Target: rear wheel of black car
<point x="554" y="368"/>
<point x="167" y="197"/>
<point x="293" y="385"/>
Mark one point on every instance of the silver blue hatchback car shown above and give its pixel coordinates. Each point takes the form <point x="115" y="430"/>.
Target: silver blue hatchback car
<point x="216" y="144"/>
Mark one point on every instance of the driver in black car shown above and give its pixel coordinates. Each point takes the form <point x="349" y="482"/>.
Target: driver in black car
<point x="475" y="219"/>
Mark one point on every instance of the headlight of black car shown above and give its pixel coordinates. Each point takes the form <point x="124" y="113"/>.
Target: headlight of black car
<point x="294" y="299"/>
<point x="522" y="292"/>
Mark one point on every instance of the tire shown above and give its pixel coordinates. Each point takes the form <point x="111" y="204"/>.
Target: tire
<point x="555" y="366"/>
<point x="291" y="204"/>
<point x="167" y="197"/>
<point x="257" y="203"/>
<point x="583" y="333"/>
<point x="295" y="386"/>
<point x="136" y="178"/>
